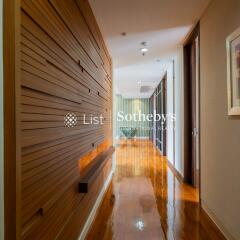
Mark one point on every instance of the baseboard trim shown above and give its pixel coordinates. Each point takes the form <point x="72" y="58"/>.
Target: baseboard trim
<point x="175" y="171"/>
<point x="218" y="226"/>
<point x="93" y="213"/>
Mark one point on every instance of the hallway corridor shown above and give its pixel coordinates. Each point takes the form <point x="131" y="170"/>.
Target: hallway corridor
<point x="120" y="120"/>
<point x="146" y="201"/>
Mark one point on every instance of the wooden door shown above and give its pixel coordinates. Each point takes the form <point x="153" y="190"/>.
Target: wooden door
<point x="193" y="102"/>
<point x="191" y="109"/>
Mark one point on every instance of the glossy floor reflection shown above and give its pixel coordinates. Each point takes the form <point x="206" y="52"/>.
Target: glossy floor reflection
<point x="135" y="215"/>
<point x="146" y="201"/>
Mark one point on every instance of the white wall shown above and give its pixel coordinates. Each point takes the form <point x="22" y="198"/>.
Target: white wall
<point x="175" y="87"/>
<point x="1" y="128"/>
<point x="220" y="135"/>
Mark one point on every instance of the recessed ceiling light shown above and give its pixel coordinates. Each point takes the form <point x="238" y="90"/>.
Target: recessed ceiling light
<point x="144" y="50"/>
<point x="123" y="34"/>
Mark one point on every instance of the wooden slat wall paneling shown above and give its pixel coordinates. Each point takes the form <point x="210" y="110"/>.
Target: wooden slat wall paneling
<point x="65" y="68"/>
<point x="81" y="213"/>
<point x="92" y="24"/>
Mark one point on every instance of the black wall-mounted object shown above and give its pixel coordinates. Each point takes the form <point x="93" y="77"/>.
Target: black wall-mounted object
<point x="93" y="169"/>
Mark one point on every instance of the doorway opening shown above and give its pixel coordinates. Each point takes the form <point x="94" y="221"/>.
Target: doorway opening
<point x="191" y="108"/>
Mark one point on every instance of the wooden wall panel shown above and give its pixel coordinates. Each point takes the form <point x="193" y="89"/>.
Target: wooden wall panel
<point x="65" y="68"/>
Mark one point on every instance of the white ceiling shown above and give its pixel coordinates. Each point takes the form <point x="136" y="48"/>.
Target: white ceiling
<point x="129" y="79"/>
<point x="163" y="24"/>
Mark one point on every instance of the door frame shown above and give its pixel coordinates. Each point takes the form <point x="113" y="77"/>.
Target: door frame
<point x="11" y="95"/>
<point x="162" y="110"/>
<point x="188" y="161"/>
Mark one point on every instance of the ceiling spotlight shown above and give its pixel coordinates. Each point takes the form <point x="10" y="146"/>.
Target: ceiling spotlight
<point x="144" y="49"/>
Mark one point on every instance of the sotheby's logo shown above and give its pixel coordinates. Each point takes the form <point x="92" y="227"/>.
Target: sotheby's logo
<point x="71" y="119"/>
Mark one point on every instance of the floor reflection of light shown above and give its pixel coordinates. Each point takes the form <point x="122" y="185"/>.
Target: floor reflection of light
<point x="139" y="225"/>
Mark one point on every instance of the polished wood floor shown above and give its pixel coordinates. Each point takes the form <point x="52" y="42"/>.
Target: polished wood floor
<point x="146" y="200"/>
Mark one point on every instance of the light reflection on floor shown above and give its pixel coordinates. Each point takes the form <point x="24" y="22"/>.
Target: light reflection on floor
<point x="135" y="214"/>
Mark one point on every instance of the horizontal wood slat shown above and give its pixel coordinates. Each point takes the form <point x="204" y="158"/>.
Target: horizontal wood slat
<point x="65" y="68"/>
